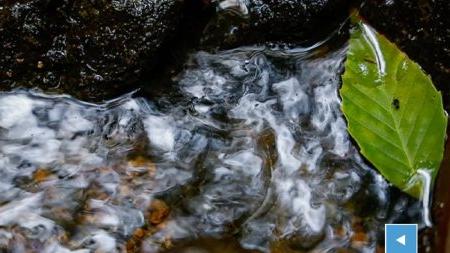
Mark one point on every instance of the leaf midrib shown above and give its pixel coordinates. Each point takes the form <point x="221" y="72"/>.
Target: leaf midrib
<point x="397" y="132"/>
<point x="393" y="78"/>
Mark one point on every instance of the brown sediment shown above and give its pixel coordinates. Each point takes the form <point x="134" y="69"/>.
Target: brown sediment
<point x="159" y="211"/>
<point x="210" y="245"/>
<point x="134" y="244"/>
<point x="157" y="215"/>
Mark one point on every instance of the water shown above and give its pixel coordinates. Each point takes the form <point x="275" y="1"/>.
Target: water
<point x="250" y="145"/>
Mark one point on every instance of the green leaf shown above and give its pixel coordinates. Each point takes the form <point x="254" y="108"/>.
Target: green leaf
<point x="393" y="111"/>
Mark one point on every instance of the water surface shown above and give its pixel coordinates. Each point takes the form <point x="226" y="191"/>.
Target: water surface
<point x="250" y="145"/>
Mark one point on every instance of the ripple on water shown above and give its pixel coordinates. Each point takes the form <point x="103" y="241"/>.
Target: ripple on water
<point x="255" y="148"/>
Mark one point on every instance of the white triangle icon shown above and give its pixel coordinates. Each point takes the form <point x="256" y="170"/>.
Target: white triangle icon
<point x="402" y="240"/>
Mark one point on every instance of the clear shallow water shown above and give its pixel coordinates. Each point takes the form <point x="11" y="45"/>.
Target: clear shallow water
<point x="250" y="145"/>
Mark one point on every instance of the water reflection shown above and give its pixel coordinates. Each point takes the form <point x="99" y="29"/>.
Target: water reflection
<point x="255" y="147"/>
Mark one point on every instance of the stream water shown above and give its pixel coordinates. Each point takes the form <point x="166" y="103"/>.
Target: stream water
<point x="249" y="145"/>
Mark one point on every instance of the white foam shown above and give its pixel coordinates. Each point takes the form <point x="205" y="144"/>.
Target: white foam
<point x="160" y="132"/>
<point x="15" y="110"/>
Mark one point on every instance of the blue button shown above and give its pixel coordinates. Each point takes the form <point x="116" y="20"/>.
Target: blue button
<point x="401" y="238"/>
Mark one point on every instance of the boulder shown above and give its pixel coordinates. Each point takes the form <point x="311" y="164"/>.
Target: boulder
<point x="92" y="49"/>
<point x="260" y="21"/>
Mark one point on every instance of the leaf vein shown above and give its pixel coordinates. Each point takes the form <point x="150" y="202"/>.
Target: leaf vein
<point x="424" y="134"/>
<point x="385" y="139"/>
<point x="368" y="97"/>
<point x="370" y="114"/>
<point x="389" y="155"/>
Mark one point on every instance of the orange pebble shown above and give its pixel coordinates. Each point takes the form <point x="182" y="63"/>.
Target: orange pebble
<point x="41" y="175"/>
<point x="159" y="211"/>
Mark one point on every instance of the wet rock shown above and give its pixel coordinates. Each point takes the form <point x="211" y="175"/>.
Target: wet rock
<point x="91" y="49"/>
<point x="420" y="28"/>
<point x="439" y="235"/>
<point x="259" y="21"/>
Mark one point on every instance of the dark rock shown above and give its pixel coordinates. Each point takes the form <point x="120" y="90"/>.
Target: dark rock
<point x="421" y="29"/>
<point x="176" y="52"/>
<point x="92" y="49"/>
<point x="439" y="235"/>
<point x="261" y="21"/>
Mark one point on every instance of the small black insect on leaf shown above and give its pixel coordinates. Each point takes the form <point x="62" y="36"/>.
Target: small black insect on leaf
<point x="396" y="103"/>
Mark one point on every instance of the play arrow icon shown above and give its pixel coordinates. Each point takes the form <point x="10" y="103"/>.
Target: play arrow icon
<point x="402" y="240"/>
